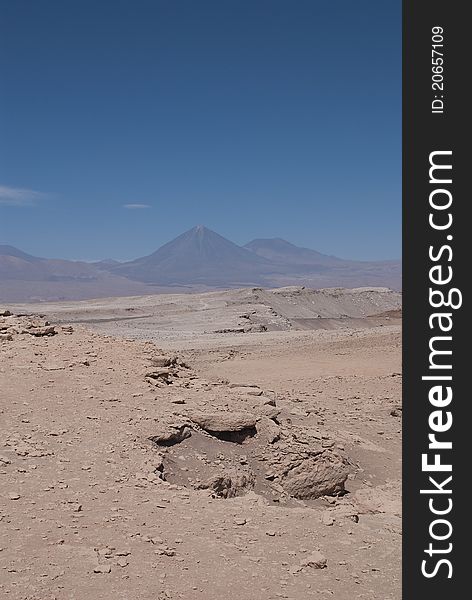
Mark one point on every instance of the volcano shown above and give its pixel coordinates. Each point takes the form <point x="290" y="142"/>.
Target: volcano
<point x="198" y="256"/>
<point x="199" y="259"/>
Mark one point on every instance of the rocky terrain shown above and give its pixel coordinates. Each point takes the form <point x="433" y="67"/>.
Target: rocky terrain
<point x="180" y="317"/>
<point x="241" y="445"/>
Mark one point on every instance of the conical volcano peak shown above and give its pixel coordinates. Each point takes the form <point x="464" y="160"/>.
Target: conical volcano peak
<point x="198" y="255"/>
<point x="201" y="231"/>
<point x="200" y="237"/>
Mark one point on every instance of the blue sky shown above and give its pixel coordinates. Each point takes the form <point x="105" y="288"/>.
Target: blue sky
<point x="125" y="123"/>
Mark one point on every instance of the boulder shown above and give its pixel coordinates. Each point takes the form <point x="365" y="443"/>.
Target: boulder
<point x="224" y="421"/>
<point x="42" y="331"/>
<point x="269" y="411"/>
<point x="162" y="361"/>
<point x="162" y="373"/>
<point x="316" y="560"/>
<point x="319" y="476"/>
<point x="267" y="430"/>
<point x="170" y="435"/>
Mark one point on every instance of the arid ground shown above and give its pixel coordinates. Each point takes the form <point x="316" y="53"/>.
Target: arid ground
<point x="240" y="445"/>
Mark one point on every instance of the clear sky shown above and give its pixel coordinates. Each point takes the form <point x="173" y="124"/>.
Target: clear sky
<point x="124" y="123"/>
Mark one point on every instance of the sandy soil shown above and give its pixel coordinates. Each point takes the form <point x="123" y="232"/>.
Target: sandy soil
<point x="184" y="463"/>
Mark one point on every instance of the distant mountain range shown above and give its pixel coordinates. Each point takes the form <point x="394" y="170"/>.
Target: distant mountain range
<point x="15" y="264"/>
<point x="198" y="259"/>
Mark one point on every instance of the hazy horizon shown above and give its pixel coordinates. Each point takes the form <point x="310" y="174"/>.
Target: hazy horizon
<point x="133" y="257"/>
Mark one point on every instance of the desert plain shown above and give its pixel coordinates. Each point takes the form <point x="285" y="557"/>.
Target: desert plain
<point x="241" y="444"/>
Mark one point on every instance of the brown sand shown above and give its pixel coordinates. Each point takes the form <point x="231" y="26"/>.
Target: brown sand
<point x="258" y="465"/>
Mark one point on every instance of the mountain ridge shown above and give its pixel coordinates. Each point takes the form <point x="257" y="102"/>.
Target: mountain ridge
<point x="278" y="249"/>
<point x="195" y="260"/>
<point x="198" y="255"/>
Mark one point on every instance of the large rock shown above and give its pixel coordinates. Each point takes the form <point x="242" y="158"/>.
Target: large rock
<point x="170" y="435"/>
<point x="224" y="421"/>
<point x="315" y="477"/>
<point x="162" y="373"/>
<point x="271" y="412"/>
<point x="267" y="430"/>
<point x="316" y="560"/>
<point x="40" y="331"/>
<point x="163" y="361"/>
